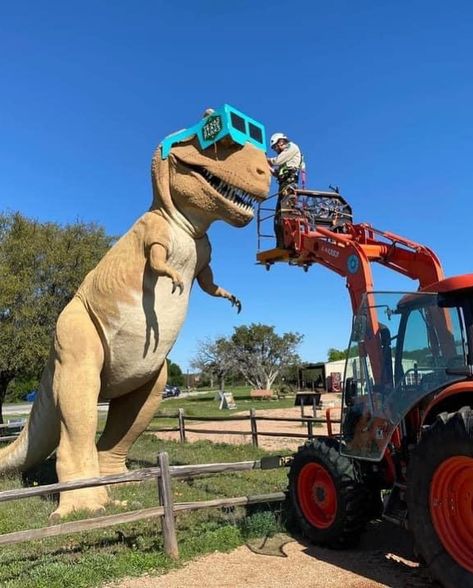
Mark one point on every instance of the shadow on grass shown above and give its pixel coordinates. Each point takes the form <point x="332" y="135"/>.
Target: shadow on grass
<point x="188" y="400"/>
<point x="42" y="475"/>
<point x="138" y="464"/>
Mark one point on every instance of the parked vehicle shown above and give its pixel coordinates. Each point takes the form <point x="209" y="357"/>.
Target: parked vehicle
<point x="171" y="391"/>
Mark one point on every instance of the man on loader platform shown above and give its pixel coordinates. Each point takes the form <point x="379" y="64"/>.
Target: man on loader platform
<point x="286" y="167"/>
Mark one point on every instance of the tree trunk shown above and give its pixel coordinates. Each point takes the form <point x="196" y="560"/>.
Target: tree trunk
<point x="222" y="382"/>
<point x="5" y="379"/>
<point x="270" y="380"/>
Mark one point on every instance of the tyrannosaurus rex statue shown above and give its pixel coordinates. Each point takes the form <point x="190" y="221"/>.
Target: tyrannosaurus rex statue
<point x="112" y="339"/>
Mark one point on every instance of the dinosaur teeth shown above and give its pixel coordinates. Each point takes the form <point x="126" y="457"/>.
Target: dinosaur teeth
<point x="236" y="195"/>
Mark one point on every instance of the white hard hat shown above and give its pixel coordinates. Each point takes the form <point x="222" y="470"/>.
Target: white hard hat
<point x="276" y="137"/>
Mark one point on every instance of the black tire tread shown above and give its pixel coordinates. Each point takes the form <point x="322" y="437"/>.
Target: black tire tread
<point x="353" y="495"/>
<point x="450" y="434"/>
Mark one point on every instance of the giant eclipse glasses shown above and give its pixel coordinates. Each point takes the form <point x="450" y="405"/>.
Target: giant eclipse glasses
<point x="223" y="122"/>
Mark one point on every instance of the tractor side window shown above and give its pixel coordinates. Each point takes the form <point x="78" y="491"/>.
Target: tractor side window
<point x="433" y="341"/>
<point x="417" y="350"/>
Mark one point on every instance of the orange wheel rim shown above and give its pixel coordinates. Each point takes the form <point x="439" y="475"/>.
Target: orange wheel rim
<point x="317" y="495"/>
<point x="451" y="508"/>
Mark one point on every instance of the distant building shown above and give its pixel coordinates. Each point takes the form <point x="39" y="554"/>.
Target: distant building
<point x="322" y="376"/>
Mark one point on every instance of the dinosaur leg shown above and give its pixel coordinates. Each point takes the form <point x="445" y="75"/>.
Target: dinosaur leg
<point x="128" y="417"/>
<point x="76" y="386"/>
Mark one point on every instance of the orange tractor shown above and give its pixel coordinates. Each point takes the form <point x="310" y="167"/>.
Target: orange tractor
<point x="405" y="446"/>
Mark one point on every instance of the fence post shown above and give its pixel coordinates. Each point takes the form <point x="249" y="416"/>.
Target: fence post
<point x="166" y="500"/>
<point x="310" y="429"/>
<point x="302" y="410"/>
<point x="254" y="429"/>
<point x="182" y="426"/>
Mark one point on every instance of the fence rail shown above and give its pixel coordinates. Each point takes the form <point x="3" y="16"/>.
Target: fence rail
<point x="253" y="417"/>
<point x="163" y="474"/>
<point x="253" y="432"/>
<point x="167" y="510"/>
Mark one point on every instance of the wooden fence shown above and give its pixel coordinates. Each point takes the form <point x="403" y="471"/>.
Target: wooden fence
<point x="15" y="427"/>
<point x="166" y="510"/>
<point x="183" y="428"/>
<point x="252" y="416"/>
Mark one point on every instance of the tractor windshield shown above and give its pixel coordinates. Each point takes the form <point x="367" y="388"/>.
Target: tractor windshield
<point x="400" y="349"/>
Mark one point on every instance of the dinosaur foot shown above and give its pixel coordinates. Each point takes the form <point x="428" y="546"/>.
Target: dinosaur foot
<point x="120" y="503"/>
<point x="91" y="500"/>
<point x="62" y="512"/>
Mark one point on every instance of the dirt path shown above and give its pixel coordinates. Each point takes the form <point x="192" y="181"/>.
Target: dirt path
<point x="384" y="557"/>
<point x="270" y="443"/>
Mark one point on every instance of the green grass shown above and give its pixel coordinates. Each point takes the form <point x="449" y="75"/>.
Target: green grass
<point x="206" y="405"/>
<point x="92" y="558"/>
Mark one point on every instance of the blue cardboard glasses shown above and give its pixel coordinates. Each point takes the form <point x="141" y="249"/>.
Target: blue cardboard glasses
<point x="223" y="122"/>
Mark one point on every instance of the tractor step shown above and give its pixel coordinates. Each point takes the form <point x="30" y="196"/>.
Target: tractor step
<point x="271" y="462"/>
<point x="395" y="507"/>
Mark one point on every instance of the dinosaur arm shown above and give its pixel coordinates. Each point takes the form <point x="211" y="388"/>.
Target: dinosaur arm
<point x="206" y="282"/>
<point x="158" y="260"/>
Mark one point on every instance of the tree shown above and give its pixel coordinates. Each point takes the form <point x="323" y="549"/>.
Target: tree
<point x="337" y="354"/>
<point x="214" y="358"/>
<point x="259" y="354"/>
<point x="175" y="376"/>
<point x="41" y="266"/>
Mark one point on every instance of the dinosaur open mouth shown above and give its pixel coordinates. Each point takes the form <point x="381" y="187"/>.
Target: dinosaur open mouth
<point x="235" y="195"/>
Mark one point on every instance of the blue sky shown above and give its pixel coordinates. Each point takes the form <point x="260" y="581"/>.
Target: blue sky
<point x="378" y="94"/>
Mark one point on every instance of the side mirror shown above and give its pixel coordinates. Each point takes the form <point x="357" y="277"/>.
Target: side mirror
<point x="350" y="391"/>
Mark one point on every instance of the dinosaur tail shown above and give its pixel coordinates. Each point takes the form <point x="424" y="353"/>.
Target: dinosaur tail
<point x="40" y="436"/>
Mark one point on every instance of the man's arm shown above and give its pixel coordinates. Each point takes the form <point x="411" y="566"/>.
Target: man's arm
<point x="283" y="157"/>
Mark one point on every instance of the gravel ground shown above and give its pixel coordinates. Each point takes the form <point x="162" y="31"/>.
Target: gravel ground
<point x="383" y="558"/>
<point x="270" y="443"/>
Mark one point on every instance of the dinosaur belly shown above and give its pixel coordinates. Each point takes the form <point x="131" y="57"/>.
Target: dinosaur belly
<point x="138" y="349"/>
<point x="148" y="323"/>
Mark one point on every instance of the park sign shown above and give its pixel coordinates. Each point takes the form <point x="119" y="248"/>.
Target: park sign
<point x="227" y="401"/>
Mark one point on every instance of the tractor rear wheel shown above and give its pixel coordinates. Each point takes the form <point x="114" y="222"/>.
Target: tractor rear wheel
<point x="328" y="501"/>
<point x="440" y="498"/>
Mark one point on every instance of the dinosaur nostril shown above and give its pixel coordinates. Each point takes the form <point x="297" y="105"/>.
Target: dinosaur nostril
<point x="260" y="171"/>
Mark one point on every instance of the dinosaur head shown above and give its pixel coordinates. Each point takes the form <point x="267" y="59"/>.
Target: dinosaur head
<point x="197" y="184"/>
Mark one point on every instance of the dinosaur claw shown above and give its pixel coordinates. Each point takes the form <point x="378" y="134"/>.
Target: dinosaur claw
<point x="237" y="303"/>
<point x="177" y="283"/>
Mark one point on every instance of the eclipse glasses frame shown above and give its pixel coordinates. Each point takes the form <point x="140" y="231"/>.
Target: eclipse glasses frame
<point x="223" y="122"/>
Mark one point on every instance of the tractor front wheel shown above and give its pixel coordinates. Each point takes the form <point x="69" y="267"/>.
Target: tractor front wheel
<point x="328" y="501"/>
<point x="440" y="498"/>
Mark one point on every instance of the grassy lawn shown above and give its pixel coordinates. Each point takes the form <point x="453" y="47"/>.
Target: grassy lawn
<point x="92" y="558"/>
<point x="206" y="405"/>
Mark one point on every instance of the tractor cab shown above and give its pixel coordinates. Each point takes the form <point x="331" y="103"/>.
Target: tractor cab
<point x="405" y="349"/>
